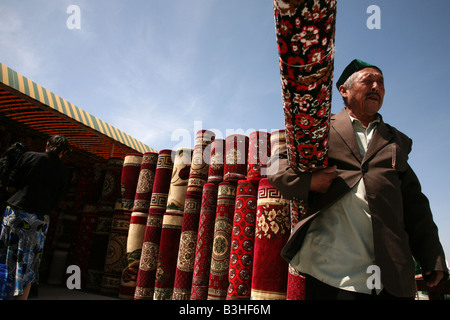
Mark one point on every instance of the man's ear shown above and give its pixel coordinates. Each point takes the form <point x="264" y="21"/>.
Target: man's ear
<point x="343" y="91"/>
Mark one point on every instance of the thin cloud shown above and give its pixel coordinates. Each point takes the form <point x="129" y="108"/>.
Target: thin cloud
<point x="18" y="47"/>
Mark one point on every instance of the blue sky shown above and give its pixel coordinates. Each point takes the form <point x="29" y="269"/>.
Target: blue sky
<point x="161" y="69"/>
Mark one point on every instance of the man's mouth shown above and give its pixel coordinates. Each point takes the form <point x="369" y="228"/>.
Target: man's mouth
<point x="373" y="96"/>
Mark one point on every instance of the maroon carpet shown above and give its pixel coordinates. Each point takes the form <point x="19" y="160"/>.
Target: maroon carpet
<point x="145" y="282"/>
<point x="236" y="158"/>
<point x="296" y="285"/>
<point x="220" y="258"/>
<point x="90" y="184"/>
<point x="217" y="161"/>
<point x="201" y="155"/>
<point x="116" y="251"/>
<point x="138" y="223"/>
<point x="258" y="155"/>
<point x="305" y="32"/>
<point x="189" y="230"/>
<point x="242" y="241"/>
<point x="273" y="227"/>
<point x="129" y="179"/>
<point x="83" y="240"/>
<point x="106" y="205"/>
<point x="171" y="226"/>
<point x="203" y="249"/>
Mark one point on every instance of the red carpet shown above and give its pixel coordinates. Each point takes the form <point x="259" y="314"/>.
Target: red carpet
<point x="236" y="158"/>
<point x="273" y="227"/>
<point x="242" y="241"/>
<point x="258" y="155"/>
<point x="188" y="239"/>
<point x="203" y="249"/>
<point x="106" y="205"/>
<point x="220" y="258"/>
<point x="145" y="282"/>
<point x="138" y="223"/>
<point x="216" y="161"/>
<point x="117" y="242"/>
<point x="171" y="226"/>
<point x="305" y="33"/>
<point x="83" y="240"/>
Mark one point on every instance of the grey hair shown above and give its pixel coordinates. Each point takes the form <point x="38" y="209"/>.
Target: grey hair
<point x="348" y="84"/>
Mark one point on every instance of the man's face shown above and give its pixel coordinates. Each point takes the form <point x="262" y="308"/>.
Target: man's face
<point x="367" y="93"/>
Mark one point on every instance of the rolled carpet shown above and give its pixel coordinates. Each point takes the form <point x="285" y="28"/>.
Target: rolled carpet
<point x="273" y="227"/>
<point x="216" y="161"/>
<point x="220" y="257"/>
<point x="236" y="158"/>
<point x="305" y="33"/>
<point x="117" y="242"/>
<point x="192" y="207"/>
<point x="171" y="225"/>
<point x="138" y="223"/>
<point x="203" y="248"/>
<point x="242" y="241"/>
<point x="258" y="155"/>
<point x="145" y="282"/>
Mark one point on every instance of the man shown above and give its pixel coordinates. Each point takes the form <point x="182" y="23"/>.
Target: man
<point x="37" y="183"/>
<point x="366" y="215"/>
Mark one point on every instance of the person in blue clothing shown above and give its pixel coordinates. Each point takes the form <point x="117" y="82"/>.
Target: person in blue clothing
<point x="37" y="183"/>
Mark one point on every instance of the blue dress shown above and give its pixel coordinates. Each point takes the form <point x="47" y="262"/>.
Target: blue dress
<point x="22" y="240"/>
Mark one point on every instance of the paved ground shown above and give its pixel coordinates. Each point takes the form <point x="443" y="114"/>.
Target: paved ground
<point x="52" y="292"/>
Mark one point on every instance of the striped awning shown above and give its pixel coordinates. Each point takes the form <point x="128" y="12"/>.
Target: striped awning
<point x="28" y="104"/>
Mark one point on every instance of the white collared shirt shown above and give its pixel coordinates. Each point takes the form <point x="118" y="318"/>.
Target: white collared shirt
<point x="338" y="247"/>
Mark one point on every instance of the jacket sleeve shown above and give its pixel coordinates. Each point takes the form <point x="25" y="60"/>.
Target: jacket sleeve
<point x="423" y="232"/>
<point x="292" y="186"/>
<point x="17" y="177"/>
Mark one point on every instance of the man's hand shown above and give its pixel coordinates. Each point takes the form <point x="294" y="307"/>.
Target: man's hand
<point x="321" y="180"/>
<point x="432" y="278"/>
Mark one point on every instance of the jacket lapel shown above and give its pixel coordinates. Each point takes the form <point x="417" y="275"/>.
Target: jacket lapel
<point x="343" y="126"/>
<point x="341" y="123"/>
<point x="382" y="136"/>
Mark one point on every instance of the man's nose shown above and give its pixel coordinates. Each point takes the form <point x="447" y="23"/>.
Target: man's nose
<point x="375" y="86"/>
